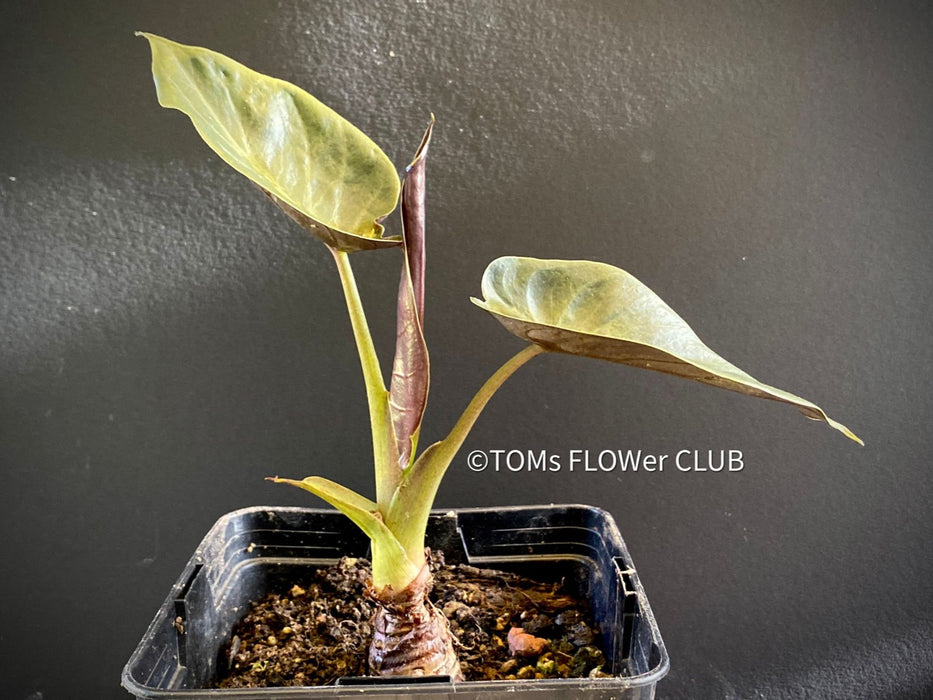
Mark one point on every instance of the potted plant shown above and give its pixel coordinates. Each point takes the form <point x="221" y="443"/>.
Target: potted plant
<point x="339" y="186"/>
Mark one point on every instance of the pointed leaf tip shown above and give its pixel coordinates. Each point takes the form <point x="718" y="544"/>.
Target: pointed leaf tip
<point x="597" y="310"/>
<point x="422" y="151"/>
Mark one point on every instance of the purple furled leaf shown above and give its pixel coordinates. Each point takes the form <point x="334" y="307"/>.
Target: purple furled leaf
<point x="413" y="192"/>
<point x="408" y="392"/>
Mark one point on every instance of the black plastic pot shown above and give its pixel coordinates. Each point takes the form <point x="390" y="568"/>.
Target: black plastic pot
<point x="255" y="550"/>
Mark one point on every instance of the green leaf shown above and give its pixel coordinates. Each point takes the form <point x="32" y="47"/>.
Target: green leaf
<point x="391" y="565"/>
<point x="408" y="393"/>
<point x="597" y="310"/>
<point x="323" y="171"/>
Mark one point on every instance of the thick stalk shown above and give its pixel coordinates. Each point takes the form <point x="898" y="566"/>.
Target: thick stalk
<point x="410" y="636"/>
<point x="385" y="460"/>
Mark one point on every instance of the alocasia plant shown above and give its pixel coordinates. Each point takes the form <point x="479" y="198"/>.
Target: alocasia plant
<point x="334" y="181"/>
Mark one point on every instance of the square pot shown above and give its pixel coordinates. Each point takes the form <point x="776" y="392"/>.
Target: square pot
<point x="252" y="551"/>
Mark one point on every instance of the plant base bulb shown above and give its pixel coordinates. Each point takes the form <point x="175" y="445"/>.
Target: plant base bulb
<point x="411" y="637"/>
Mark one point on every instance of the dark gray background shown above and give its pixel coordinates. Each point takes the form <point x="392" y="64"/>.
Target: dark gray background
<point x="168" y="338"/>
